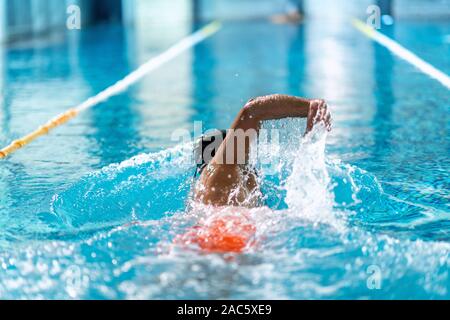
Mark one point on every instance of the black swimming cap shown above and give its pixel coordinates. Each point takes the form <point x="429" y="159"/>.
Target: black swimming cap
<point x="211" y="140"/>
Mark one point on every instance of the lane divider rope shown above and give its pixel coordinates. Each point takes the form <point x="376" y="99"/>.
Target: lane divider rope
<point x="120" y="86"/>
<point x="402" y="53"/>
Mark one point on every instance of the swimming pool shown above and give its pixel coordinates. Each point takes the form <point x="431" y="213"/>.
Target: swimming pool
<point x="370" y="220"/>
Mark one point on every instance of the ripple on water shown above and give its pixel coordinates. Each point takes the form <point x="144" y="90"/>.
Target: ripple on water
<point x="326" y="229"/>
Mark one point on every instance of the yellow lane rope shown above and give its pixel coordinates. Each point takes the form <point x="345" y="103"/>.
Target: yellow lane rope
<point x="42" y="130"/>
<point x="120" y="86"/>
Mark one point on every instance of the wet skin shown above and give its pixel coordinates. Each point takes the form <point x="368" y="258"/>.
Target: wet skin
<point x="227" y="181"/>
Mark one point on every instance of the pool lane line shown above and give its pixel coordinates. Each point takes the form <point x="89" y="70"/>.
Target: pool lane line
<point x="402" y="52"/>
<point x="120" y="86"/>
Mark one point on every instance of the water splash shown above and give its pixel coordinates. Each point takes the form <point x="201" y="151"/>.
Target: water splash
<point x="308" y="187"/>
<point x="150" y="186"/>
<point x="142" y="188"/>
<point x="323" y="225"/>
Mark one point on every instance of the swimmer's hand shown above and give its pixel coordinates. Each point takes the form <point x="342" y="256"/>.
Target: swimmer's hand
<point x="318" y="112"/>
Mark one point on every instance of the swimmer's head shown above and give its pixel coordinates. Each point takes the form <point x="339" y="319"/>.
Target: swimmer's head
<point x="206" y="147"/>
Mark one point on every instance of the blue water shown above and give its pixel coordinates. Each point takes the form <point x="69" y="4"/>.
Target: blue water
<point x="362" y="213"/>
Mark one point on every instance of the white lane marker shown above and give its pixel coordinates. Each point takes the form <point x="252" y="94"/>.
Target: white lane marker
<point x="403" y="53"/>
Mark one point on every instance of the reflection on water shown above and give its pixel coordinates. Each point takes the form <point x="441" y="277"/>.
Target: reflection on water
<point x="110" y="138"/>
<point x="384" y="96"/>
<point x="108" y="234"/>
<point x="113" y="232"/>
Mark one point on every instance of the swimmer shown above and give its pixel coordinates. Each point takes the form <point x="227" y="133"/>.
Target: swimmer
<point x="226" y="178"/>
<point x="293" y="14"/>
<point x="227" y="181"/>
<point x="292" y="17"/>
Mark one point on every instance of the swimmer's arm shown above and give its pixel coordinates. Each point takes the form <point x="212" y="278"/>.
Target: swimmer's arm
<point x="273" y="107"/>
<point x="278" y="106"/>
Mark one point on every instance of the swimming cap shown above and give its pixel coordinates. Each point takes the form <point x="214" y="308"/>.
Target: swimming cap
<point x="211" y="140"/>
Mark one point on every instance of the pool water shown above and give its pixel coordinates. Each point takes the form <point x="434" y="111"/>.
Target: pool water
<point x="91" y="210"/>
